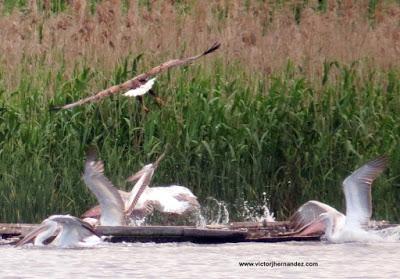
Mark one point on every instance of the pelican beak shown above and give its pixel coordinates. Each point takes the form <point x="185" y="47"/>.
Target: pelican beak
<point x="137" y="175"/>
<point x="146" y="168"/>
<point x="32" y="234"/>
<point x="316" y="227"/>
<point x="144" y="181"/>
<point x="159" y="159"/>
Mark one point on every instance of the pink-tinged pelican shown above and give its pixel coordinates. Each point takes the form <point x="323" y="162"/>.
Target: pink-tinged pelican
<point x="62" y="231"/>
<point x="174" y="199"/>
<point x="114" y="210"/>
<point x="316" y="217"/>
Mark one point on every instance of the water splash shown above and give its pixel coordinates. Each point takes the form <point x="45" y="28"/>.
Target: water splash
<point x="215" y="212"/>
<point x="259" y="212"/>
<point x="201" y="221"/>
<point x="137" y="222"/>
<point x="389" y="234"/>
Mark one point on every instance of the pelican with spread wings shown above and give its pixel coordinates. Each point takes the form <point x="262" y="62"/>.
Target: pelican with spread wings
<point x="315" y="217"/>
<point x="115" y="211"/>
<point x="172" y="200"/>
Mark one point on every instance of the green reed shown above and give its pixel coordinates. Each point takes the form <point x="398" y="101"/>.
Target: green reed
<point x="232" y="136"/>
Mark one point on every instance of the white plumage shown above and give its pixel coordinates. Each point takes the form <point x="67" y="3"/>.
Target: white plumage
<point x="170" y="199"/>
<point x="141" y="90"/>
<point x="316" y="217"/>
<point x="63" y="231"/>
<point x="115" y="208"/>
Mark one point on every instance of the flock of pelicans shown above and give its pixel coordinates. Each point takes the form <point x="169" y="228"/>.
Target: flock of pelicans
<point x="116" y="207"/>
<point x="120" y="208"/>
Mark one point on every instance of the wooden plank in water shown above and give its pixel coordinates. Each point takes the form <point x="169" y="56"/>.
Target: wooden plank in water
<point x="15" y="229"/>
<point x="250" y="225"/>
<point x="243" y="232"/>
<point x="140" y="231"/>
<point x="234" y="232"/>
<point x="171" y="234"/>
<point x="197" y="235"/>
<point x="197" y="232"/>
<point x="284" y="238"/>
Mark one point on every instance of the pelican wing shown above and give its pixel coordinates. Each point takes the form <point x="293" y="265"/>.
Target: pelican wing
<point x="357" y="190"/>
<point x="111" y="204"/>
<point x="192" y="200"/>
<point x="309" y="213"/>
<point x="141" y="90"/>
<point x="172" y="199"/>
<point x="82" y="229"/>
<point x="138" y="80"/>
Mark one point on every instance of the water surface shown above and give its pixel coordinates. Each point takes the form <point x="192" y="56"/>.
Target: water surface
<point x="187" y="260"/>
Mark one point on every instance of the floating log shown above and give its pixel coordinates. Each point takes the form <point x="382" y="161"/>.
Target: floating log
<point x="8" y="230"/>
<point x="284" y="238"/>
<point x="233" y="232"/>
<point x="171" y="234"/>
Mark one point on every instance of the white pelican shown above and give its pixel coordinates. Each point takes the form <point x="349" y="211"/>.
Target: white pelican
<point x="114" y="210"/>
<point x="174" y="199"/>
<point x="62" y="231"/>
<point x="317" y="217"/>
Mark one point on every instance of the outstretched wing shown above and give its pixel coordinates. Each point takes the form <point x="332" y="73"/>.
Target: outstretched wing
<point x="82" y="228"/>
<point x="138" y="80"/>
<point x="357" y="190"/>
<point x="112" y="207"/>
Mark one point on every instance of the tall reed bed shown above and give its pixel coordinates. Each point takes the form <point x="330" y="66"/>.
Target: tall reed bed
<point x="261" y="34"/>
<point x="232" y="136"/>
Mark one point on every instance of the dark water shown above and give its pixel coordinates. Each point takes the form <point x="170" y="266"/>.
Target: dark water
<point x="186" y="260"/>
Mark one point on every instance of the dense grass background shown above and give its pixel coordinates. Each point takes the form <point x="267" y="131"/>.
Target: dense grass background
<point x="265" y="114"/>
<point x="233" y="136"/>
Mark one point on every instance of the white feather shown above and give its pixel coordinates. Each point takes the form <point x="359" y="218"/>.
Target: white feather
<point x="141" y="90"/>
<point x="166" y="197"/>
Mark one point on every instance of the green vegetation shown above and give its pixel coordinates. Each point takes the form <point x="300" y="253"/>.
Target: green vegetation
<point x="233" y="136"/>
<point x="242" y="123"/>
